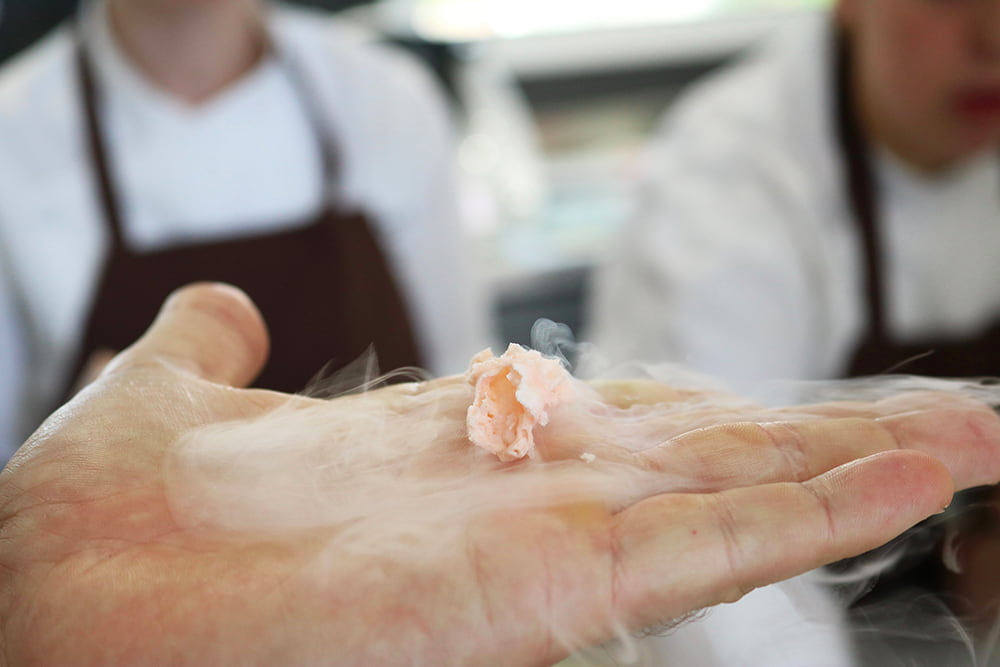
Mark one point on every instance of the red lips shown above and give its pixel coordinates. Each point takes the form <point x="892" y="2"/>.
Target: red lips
<point x="979" y="104"/>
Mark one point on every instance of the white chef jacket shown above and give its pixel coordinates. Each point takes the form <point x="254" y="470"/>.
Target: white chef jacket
<point x="743" y="260"/>
<point x="237" y="163"/>
<point x="789" y="624"/>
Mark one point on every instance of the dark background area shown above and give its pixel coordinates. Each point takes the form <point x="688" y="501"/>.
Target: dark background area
<point x="24" y="21"/>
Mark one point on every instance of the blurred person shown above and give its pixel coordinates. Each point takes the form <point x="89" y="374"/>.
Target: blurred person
<point x="110" y="554"/>
<point x="154" y="142"/>
<point x="828" y="207"/>
<point x="825" y="207"/>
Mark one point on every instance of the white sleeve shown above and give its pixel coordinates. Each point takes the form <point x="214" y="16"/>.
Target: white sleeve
<point x="716" y="270"/>
<point x="414" y="181"/>
<point x="437" y="269"/>
<point x="788" y="624"/>
<point x="13" y="364"/>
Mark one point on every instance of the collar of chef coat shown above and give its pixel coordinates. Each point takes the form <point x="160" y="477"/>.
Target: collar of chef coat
<point x="121" y="79"/>
<point x="244" y="160"/>
<point x="942" y="246"/>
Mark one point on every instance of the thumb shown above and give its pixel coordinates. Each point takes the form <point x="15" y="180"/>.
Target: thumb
<point x="210" y="329"/>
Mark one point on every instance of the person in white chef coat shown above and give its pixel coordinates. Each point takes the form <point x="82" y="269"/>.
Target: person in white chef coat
<point x="826" y="207"/>
<point x="151" y="143"/>
<point x="829" y="206"/>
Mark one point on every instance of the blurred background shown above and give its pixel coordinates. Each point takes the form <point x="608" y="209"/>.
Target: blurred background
<point x="554" y="98"/>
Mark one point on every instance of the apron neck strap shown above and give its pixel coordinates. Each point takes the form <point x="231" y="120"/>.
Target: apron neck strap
<point x="97" y="144"/>
<point x="299" y="76"/>
<point x="858" y="178"/>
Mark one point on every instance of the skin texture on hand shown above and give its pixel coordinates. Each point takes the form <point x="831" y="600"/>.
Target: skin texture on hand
<point x="96" y="567"/>
<point x="92" y="369"/>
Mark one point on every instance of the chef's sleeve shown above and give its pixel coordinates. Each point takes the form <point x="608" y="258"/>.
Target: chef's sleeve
<point x="715" y="270"/>
<point x="432" y="250"/>
<point x="13" y="367"/>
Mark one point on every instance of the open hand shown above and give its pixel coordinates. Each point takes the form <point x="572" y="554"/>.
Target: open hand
<point x="113" y="551"/>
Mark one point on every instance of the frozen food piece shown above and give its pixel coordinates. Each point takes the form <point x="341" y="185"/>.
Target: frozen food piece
<point x="515" y="392"/>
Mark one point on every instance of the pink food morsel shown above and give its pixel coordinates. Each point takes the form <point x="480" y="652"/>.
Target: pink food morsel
<point x="514" y="393"/>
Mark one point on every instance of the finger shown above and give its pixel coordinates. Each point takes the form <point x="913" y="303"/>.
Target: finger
<point x="645" y="414"/>
<point x="656" y="421"/>
<point x="209" y="329"/>
<point x="626" y="394"/>
<point x="657" y="412"/>
<point x="965" y="439"/>
<point x="891" y="405"/>
<point x="679" y="553"/>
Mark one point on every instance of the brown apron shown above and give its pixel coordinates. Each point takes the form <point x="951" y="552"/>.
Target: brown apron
<point x="920" y="566"/>
<point x="323" y="286"/>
